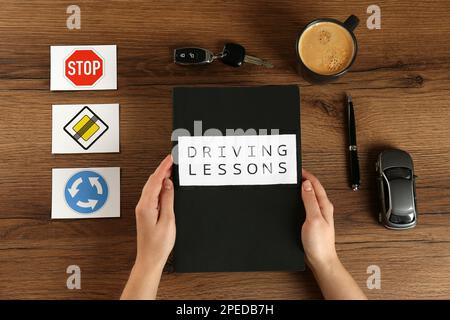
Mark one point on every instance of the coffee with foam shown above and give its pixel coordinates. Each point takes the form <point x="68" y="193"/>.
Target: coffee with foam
<point x="326" y="48"/>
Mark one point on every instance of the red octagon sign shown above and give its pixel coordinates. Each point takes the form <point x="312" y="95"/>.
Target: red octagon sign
<point x="83" y="67"/>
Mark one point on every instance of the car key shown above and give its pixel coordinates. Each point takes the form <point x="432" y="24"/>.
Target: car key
<point x="193" y="56"/>
<point x="233" y="54"/>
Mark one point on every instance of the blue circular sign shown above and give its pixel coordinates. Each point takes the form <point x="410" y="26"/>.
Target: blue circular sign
<point x="86" y="192"/>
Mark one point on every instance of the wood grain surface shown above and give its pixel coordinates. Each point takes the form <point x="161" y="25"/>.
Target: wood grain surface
<point x="400" y="84"/>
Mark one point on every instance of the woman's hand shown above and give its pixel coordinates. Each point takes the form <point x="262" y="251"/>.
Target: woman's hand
<point x="155" y="223"/>
<point x="318" y="243"/>
<point x="318" y="229"/>
<point x="155" y="218"/>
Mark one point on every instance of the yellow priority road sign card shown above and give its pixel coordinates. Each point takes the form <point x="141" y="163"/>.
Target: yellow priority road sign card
<point x="85" y="128"/>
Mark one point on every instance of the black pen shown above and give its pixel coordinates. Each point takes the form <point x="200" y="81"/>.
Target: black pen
<point x="355" y="181"/>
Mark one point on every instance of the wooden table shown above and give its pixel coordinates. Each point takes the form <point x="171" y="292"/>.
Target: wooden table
<point x="400" y="84"/>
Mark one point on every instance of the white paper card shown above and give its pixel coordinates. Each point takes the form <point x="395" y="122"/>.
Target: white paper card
<point x="85" y="193"/>
<point x="83" y="67"/>
<point x="237" y="160"/>
<point x="85" y="128"/>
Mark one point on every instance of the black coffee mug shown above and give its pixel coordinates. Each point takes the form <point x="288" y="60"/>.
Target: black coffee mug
<point x="350" y="24"/>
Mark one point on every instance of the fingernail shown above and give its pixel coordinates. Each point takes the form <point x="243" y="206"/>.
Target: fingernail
<point x="167" y="184"/>
<point x="307" y="185"/>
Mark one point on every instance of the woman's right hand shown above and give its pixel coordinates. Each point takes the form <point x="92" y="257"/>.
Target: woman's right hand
<point x="318" y="229"/>
<point x="318" y="243"/>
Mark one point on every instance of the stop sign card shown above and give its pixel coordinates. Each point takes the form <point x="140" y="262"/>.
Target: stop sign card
<point x="83" y="67"/>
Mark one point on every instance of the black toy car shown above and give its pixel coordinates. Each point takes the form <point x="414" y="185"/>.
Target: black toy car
<point x="397" y="189"/>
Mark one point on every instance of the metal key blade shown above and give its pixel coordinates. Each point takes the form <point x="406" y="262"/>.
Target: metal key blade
<point x="257" y="61"/>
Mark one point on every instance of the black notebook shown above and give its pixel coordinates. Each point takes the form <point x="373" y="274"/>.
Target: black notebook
<point x="240" y="227"/>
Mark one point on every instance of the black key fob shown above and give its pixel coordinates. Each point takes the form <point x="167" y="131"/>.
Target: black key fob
<point x="233" y="54"/>
<point x="192" y="56"/>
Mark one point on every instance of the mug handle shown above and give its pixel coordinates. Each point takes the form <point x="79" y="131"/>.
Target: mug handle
<point x="352" y="22"/>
